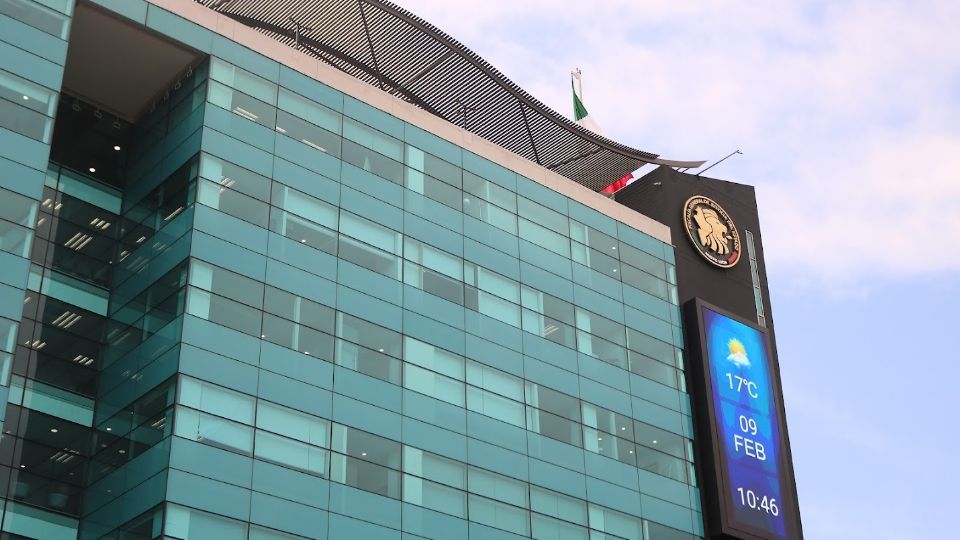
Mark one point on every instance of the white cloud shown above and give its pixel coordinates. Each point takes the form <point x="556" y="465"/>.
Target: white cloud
<point x="848" y="113"/>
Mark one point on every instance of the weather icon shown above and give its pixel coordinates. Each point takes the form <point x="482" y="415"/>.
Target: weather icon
<point x="738" y="353"/>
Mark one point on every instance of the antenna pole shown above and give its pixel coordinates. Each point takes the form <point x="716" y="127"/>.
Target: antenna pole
<point x="737" y="151"/>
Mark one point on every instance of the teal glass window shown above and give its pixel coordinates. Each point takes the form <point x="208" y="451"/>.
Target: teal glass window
<point x="371" y="233"/>
<point x="216" y="400"/>
<point x="544" y="237"/>
<point x="433" y="258"/>
<point x="17" y="208"/>
<point x="432" y="188"/>
<point x="662" y="464"/>
<point x="305" y="206"/>
<point x="365" y="461"/>
<point x="369" y="348"/>
<point x="499" y="515"/>
<point x="303" y="230"/>
<point x="40" y="17"/>
<point x="662" y="440"/>
<point x="642" y="260"/>
<point x="607" y="421"/>
<point x="433" y="384"/>
<point x="303" y="441"/>
<point x="495" y="394"/>
<point x="615" y="523"/>
<point x="310" y="111"/>
<point x="543" y="216"/>
<point x="226" y="283"/>
<point x="235" y="178"/>
<point x="232" y="202"/>
<point x="433" y="282"/>
<point x="311" y="135"/>
<point x="588" y="236"/>
<point x="243" y="80"/>
<point x="550" y="400"/>
<point x="192" y="524"/>
<point x="213" y="430"/>
<point x="299" y="309"/>
<point x="371" y="138"/>
<point x="655" y="531"/>
<point x="558" y="505"/>
<point x="613" y="447"/>
<point x="499" y="487"/>
<point x="653" y="370"/>
<point x="242" y="104"/>
<point x="223" y="311"/>
<point x="297" y="337"/>
<point x="433" y="358"/>
<point x="490" y="192"/>
<point x="600" y="326"/>
<point x="433" y="166"/>
<point x="548" y="316"/>
<point x="435" y="496"/>
<point x="652" y="347"/>
<point x="596" y="260"/>
<point x="645" y="282"/>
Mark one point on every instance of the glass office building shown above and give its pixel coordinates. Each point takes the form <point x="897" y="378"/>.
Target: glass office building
<point x="246" y="295"/>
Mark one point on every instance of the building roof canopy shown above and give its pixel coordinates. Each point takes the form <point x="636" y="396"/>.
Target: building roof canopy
<point x="386" y="46"/>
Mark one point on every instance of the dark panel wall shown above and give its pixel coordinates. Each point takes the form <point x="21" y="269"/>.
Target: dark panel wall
<point x="733" y="288"/>
<point x="661" y="195"/>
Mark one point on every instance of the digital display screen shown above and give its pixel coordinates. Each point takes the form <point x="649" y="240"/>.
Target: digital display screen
<point x="753" y="479"/>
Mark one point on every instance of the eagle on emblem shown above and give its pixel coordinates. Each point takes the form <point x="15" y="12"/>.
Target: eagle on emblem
<point x="712" y="232"/>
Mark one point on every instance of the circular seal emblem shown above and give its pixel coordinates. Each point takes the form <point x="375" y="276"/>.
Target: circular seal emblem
<point x="712" y="231"/>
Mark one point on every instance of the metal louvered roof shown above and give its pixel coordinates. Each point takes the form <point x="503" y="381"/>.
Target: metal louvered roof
<point x="388" y="47"/>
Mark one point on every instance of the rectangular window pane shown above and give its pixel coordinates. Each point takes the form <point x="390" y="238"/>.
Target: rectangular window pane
<point x="433" y="384"/>
<point x="25" y="121"/>
<point x="294" y="424"/>
<point x="26" y="93"/>
<point x="241" y="104"/>
<point x="234" y="177"/>
<point x="297" y="337"/>
<point x="298" y="309"/>
<point x="37" y="16"/>
<point x="226" y="283"/>
<point x="544" y="237"/>
<point x="494" y="380"/>
<point x="310" y="111"/>
<point x="434" y="467"/>
<point x="495" y="406"/>
<point x="434" y="496"/>
<point x="373" y="139"/>
<point x="217" y="400"/>
<point x="313" y="136"/>
<point x="303" y="230"/>
<point x="499" y="515"/>
<point x="290" y="453"/>
<point x="207" y="429"/>
<point x="232" y="202"/>
<point x="371" y="233"/>
<point x="243" y="80"/>
<point x="433" y="358"/>
<point x="223" y="311"/>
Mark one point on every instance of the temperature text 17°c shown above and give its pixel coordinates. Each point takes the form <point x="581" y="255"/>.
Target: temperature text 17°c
<point x="741" y="384"/>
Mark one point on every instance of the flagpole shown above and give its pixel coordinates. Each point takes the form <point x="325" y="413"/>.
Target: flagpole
<point x="577" y="74"/>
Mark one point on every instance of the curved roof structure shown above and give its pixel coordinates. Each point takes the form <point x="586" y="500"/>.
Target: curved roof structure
<point x="388" y="47"/>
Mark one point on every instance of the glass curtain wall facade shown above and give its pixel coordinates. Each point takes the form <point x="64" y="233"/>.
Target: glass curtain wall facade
<point x="293" y="315"/>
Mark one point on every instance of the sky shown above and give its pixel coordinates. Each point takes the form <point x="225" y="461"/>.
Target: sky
<point x="848" y="117"/>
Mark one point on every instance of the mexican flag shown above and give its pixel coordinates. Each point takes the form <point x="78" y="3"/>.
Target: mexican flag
<point x="581" y="115"/>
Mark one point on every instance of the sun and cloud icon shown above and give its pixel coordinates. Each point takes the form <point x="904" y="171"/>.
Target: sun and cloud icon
<point x="738" y="353"/>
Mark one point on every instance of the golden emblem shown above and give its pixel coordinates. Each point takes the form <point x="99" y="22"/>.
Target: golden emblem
<point x="712" y="231"/>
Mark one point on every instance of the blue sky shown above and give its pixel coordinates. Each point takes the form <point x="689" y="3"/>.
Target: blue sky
<point x="848" y="114"/>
